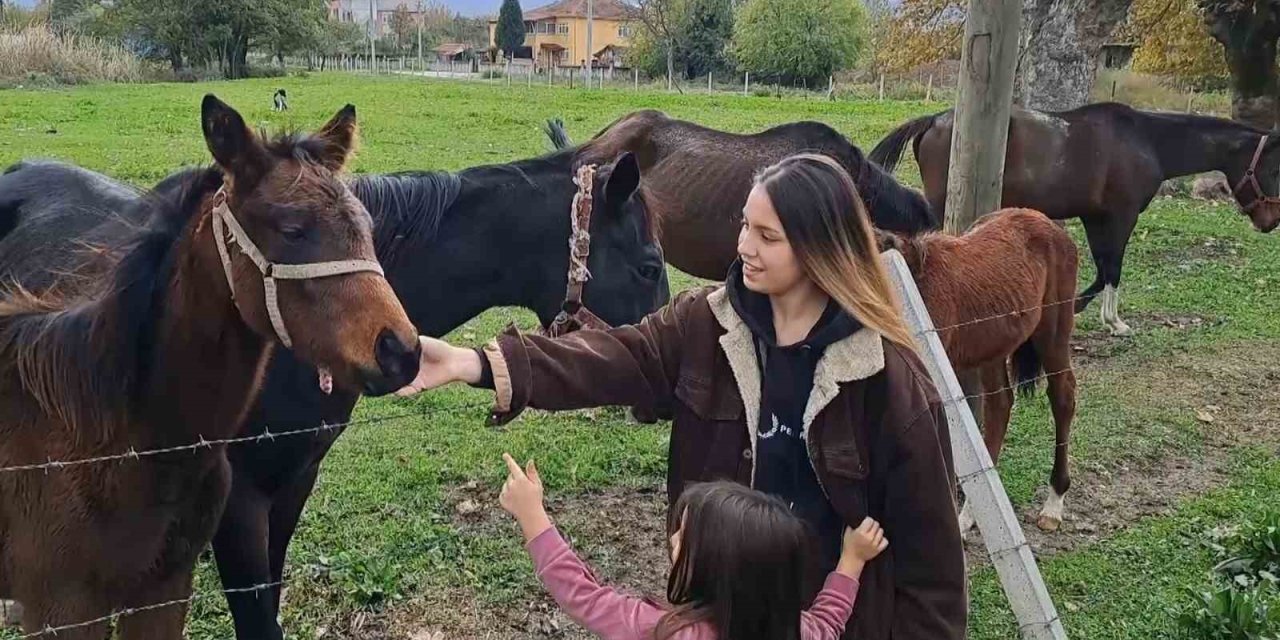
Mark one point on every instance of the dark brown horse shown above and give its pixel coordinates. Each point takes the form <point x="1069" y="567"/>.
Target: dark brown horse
<point x="167" y="348"/>
<point x="452" y="246"/>
<point x="1002" y="292"/>
<point x="1103" y="164"/>
<point x="699" y="178"/>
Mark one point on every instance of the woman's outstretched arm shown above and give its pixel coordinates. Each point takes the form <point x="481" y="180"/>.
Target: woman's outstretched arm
<point x="635" y="365"/>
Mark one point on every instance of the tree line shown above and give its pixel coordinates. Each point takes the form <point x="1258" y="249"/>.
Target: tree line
<point x="787" y="41"/>
<point x="220" y="34"/>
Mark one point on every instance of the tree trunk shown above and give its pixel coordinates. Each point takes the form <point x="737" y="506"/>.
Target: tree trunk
<point x="1248" y="31"/>
<point x="1060" y="43"/>
<point x="238" y="65"/>
<point x="671" y="63"/>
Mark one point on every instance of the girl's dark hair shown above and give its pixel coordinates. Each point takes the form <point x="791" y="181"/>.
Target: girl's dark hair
<point x="742" y="566"/>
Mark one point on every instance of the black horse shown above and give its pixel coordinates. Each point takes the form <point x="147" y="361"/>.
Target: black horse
<point x="452" y="246"/>
<point x="1103" y="163"/>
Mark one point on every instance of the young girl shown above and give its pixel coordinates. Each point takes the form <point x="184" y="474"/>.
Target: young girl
<point x="738" y="563"/>
<point x="797" y="377"/>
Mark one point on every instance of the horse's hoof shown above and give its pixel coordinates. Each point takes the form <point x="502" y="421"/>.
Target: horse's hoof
<point x="1121" y="330"/>
<point x="10" y="613"/>
<point x="1048" y="523"/>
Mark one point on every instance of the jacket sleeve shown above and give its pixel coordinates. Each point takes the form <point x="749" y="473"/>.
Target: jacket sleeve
<point x="930" y="600"/>
<point x="601" y="610"/>
<point x="634" y="365"/>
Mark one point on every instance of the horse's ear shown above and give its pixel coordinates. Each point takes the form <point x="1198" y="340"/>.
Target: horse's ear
<point x="339" y="137"/>
<point x="234" y="146"/>
<point x="623" y="179"/>
<point x="886" y="240"/>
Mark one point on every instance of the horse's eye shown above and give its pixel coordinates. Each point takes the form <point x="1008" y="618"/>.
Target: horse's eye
<point x="293" y="232"/>
<point x="650" y="272"/>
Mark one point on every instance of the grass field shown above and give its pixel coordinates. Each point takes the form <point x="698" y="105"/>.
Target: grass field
<point x="1176" y="434"/>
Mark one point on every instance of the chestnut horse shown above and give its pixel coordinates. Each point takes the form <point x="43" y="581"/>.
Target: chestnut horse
<point x="1003" y="291"/>
<point x="698" y="179"/>
<point x="167" y="348"/>
<point x="1103" y="164"/>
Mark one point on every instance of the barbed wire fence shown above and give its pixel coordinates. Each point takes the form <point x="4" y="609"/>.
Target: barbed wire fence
<point x="1007" y="546"/>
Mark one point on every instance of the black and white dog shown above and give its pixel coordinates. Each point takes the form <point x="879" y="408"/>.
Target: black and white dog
<point x="280" y="101"/>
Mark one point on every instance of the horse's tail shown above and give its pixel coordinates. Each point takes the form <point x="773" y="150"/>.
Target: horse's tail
<point x="1027" y="368"/>
<point x="889" y="151"/>
<point x="556" y="133"/>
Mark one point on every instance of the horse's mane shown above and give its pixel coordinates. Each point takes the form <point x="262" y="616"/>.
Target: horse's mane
<point x="407" y="208"/>
<point x="82" y="354"/>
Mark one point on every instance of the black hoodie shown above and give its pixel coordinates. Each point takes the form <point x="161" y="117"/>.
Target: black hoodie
<point x="782" y="463"/>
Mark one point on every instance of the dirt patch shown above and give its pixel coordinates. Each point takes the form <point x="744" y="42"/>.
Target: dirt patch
<point x="620" y="532"/>
<point x="1230" y="392"/>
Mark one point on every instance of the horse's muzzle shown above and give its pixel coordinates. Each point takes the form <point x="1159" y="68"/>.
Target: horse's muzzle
<point x="397" y="363"/>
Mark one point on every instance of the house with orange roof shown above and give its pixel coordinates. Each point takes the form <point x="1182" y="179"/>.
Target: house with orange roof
<point x="556" y="34"/>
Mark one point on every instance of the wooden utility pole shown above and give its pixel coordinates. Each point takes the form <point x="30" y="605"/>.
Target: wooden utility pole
<point x="979" y="136"/>
<point x="373" y="34"/>
<point x="590" y="19"/>
<point x="981" y="129"/>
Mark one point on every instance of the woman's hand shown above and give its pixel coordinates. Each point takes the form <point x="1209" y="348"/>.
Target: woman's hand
<point x="522" y="497"/>
<point x="860" y="546"/>
<point x="441" y="364"/>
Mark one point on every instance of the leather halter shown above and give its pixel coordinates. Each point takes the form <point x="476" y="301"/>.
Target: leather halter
<point x="573" y="314"/>
<point x="224" y="221"/>
<point x="1251" y="178"/>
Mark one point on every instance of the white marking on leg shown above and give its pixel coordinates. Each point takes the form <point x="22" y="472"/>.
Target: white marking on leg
<point x="1111" y="312"/>
<point x="1051" y="514"/>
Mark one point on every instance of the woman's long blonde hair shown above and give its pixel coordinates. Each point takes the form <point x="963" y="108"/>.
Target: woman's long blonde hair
<point x="828" y="228"/>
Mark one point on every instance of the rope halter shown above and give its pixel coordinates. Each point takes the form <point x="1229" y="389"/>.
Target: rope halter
<point x="573" y="314"/>
<point x="224" y="221"/>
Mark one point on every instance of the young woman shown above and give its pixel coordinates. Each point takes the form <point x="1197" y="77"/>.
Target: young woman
<point x="796" y="377"/>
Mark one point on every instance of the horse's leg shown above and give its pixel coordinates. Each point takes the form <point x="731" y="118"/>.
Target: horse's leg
<point x="64" y="608"/>
<point x="161" y="622"/>
<point x="1123" y="231"/>
<point x="997" y="401"/>
<point x="240" y="549"/>
<point x="1095" y="230"/>
<point x="972" y="385"/>
<point x="1055" y="345"/>
<point x="1108" y="242"/>
<point x="285" y="512"/>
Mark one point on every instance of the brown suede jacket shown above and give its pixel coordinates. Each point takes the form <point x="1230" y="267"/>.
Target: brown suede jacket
<point x="877" y="436"/>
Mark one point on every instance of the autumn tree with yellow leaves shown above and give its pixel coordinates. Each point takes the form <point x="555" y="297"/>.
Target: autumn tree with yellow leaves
<point x="1172" y="41"/>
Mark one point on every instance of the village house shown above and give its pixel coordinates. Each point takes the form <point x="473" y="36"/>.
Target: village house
<point x="556" y="34"/>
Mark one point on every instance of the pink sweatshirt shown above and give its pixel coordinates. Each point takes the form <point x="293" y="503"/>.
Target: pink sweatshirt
<point x="613" y="616"/>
